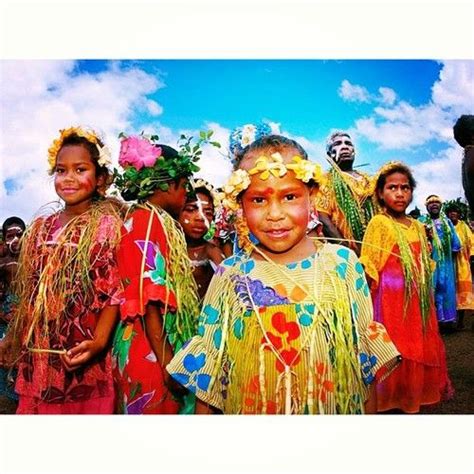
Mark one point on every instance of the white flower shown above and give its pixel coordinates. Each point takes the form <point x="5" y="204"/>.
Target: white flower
<point x="248" y="135"/>
<point x="105" y="156"/>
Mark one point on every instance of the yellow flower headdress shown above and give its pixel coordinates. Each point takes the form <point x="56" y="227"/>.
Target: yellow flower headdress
<point x="201" y="183"/>
<point x="89" y="134"/>
<point x="432" y="199"/>
<point x="239" y="181"/>
<point x="386" y="168"/>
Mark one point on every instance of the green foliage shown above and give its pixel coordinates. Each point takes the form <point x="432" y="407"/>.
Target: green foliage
<point x="459" y="205"/>
<point x="139" y="184"/>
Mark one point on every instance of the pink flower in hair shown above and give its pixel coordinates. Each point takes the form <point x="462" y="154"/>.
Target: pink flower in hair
<point x="138" y="152"/>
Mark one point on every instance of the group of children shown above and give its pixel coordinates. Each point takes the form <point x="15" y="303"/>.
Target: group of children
<point x="140" y="309"/>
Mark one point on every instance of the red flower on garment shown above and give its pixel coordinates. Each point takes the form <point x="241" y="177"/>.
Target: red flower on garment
<point x="323" y="384"/>
<point x="281" y="340"/>
<point x="376" y="330"/>
<point x="252" y="404"/>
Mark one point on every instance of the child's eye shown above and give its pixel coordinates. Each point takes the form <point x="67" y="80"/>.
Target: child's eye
<point x="80" y="170"/>
<point x="258" y="200"/>
<point x="290" y="197"/>
<point x="59" y="170"/>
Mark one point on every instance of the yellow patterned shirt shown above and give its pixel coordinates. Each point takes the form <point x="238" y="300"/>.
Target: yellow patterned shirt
<point x="361" y="190"/>
<point x="295" y="338"/>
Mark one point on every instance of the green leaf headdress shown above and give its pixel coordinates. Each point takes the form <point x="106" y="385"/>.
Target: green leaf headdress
<point x="148" y="165"/>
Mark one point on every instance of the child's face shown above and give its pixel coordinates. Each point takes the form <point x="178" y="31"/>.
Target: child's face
<point x="12" y="239"/>
<point x="177" y="192"/>
<point x="396" y="194"/>
<point x="75" y="178"/>
<point x="277" y="210"/>
<point x="454" y="216"/>
<point x="196" y="216"/>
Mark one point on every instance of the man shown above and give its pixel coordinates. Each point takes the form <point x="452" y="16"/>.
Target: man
<point x="12" y="231"/>
<point x="444" y="241"/>
<point x="344" y="203"/>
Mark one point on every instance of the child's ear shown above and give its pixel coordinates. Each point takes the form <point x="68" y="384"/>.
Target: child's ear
<point x="313" y="191"/>
<point x="101" y="184"/>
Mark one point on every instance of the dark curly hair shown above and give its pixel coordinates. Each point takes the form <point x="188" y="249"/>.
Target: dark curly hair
<point x="463" y="130"/>
<point x="396" y="168"/>
<point x="271" y="144"/>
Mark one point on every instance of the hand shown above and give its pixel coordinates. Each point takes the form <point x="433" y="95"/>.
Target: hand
<point x="81" y="354"/>
<point x="5" y="352"/>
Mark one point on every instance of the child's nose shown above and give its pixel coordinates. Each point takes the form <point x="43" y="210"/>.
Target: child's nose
<point x="274" y="210"/>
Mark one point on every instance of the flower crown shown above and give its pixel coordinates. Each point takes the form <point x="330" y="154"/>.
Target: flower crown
<point x="244" y="136"/>
<point x="432" y="199"/>
<point x="384" y="169"/>
<point x="202" y="183"/>
<point x="87" y="133"/>
<point x="147" y="168"/>
<point x="239" y="180"/>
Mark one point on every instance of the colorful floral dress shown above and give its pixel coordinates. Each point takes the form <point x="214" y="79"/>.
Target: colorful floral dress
<point x="296" y="338"/>
<point x="55" y="267"/>
<point x="348" y="202"/>
<point x="445" y="242"/>
<point x="407" y="312"/>
<point x="465" y="298"/>
<point x="144" y="261"/>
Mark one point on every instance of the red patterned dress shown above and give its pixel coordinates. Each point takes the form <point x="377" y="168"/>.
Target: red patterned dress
<point x="138" y="375"/>
<point x="43" y="385"/>
<point x="422" y="377"/>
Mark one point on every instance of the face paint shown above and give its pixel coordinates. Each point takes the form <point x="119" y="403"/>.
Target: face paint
<point x="342" y="148"/>
<point x="200" y="203"/>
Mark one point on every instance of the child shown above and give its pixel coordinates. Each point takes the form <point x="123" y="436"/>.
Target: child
<point x="395" y="255"/>
<point x="160" y="309"/>
<point x="13" y="229"/>
<point x="197" y="221"/>
<point x="69" y="287"/>
<point x="444" y="242"/>
<point x="464" y="295"/>
<point x="286" y="325"/>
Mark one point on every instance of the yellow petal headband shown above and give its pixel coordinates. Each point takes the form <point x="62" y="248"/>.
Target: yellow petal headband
<point x="432" y="199"/>
<point x="105" y="157"/>
<point x="201" y="183"/>
<point x="239" y="180"/>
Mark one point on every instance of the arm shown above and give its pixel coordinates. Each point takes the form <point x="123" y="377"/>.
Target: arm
<point x="370" y="406"/>
<point x="215" y="254"/>
<point x="157" y="337"/>
<point x="330" y="230"/>
<point x="87" y="350"/>
<point x="5" y="350"/>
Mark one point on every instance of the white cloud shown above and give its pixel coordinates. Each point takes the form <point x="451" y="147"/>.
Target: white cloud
<point x="439" y="174"/>
<point x="402" y="125"/>
<point x="39" y="98"/>
<point x="353" y="93"/>
<point x="387" y="95"/>
<point x="455" y="88"/>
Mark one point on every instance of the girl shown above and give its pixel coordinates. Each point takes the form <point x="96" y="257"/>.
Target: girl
<point x="160" y="308"/>
<point x="286" y="324"/>
<point x="197" y="221"/>
<point x="395" y="255"/>
<point x="69" y="287"/>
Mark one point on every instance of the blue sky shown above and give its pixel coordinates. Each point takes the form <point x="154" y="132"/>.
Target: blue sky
<point x="394" y="109"/>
